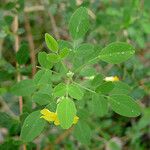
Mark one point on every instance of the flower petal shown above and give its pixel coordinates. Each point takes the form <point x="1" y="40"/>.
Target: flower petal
<point x="48" y="115"/>
<point x="76" y="118"/>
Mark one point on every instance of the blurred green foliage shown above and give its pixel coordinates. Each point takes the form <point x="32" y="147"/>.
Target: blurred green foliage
<point x="110" y="21"/>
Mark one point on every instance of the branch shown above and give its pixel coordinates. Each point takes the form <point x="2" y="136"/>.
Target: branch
<point x="54" y="27"/>
<point x="15" y="29"/>
<point x="63" y="136"/>
<point x="31" y="44"/>
<point x="42" y="8"/>
<point x="34" y="8"/>
<point x="16" y="47"/>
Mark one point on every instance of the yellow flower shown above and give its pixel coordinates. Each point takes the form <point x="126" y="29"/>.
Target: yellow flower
<point x="48" y="115"/>
<point x="56" y="122"/>
<point x="116" y="78"/>
<point x="111" y="78"/>
<point x="52" y="117"/>
<point x="75" y="120"/>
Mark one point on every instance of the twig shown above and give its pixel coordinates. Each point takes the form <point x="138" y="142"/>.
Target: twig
<point x="50" y="70"/>
<point x="24" y="147"/>
<point x="63" y="136"/>
<point x="34" y="8"/>
<point x="7" y="109"/>
<point x="84" y="87"/>
<point x="92" y="15"/>
<point x="31" y="44"/>
<point x="87" y="63"/>
<point x="1" y="45"/>
<point x="15" y="29"/>
<point x="54" y="27"/>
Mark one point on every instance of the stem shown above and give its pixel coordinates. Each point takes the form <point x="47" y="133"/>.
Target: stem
<point x="50" y="70"/>
<point x="7" y="109"/>
<point x="34" y="8"/>
<point x="54" y="26"/>
<point x="15" y="29"/>
<point x="31" y="44"/>
<point x="16" y="47"/>
<point x="63" y="136"/>
<point x="84" y="87"/>
<point x="81" y="67"/>
<point x="63" y="65"/>
<point x="1" y="47"/>
<point x="68" y="81"/>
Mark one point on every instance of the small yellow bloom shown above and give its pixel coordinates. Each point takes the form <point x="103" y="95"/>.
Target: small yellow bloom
<point x="48" y="115"/>
<point x="116" y="78"/>
<point x="75" y="120"/>
<point x="111" y="78"/>
<point x="56" y="122"/>
<point x="52" y="117"/>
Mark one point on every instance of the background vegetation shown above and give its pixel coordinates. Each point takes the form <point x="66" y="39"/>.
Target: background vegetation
<point x="23" y="24"/>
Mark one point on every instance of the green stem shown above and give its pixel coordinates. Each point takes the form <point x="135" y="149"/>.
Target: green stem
<point x="81" y="67"/>
<point x="84" y="87"/>
<point x="50" y="70"/>
<point x="65" y="68"/>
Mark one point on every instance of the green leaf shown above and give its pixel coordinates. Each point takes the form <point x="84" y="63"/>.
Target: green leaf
<point x="113" y="145"/>
<point x="66" y="111"/>
<point x="41" y="99"/>
<point x="46" y="89"/>
<point x="124" y="105"/>
<point x="43" y="77"/>
<point x="51" y="43"/>
<point x="64" y="52"/>
<point x="53" y="58"/>
<point x="99" y="105"/>
<point x="82" y="132"/>
<point x="32" y="126"/>
<point x="43" y="61"/>
<point x="22" y="55"/>
<point x="144" y="120"/>
<point x="88" y="71"/>
<point x="98" y="79"/>
<point x="64" y="44"/>
<point x="10" y="144"/>
<point x="24" y="88"/>
<point x="75" y="92"/>
<point x="116" y="52"/>
<point x="59" y="90"/>
<point x="121" y="88"/>
<point x="12" y="124"/>
<point x="105" y="88"/>
<point x="79" y="23"/>
<point x="8" y="20"/>
<point x="3" y="90"/>
<point x="84" y="53"/>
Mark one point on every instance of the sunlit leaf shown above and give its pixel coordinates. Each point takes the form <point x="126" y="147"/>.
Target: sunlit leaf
<point x="79" y="23"/>
<point x="51" y="43"/>
<point x="116" y="52"/>
<point x="32" y="127"/>
<point x="66" y="111"/>
<point x="124" y="105"/>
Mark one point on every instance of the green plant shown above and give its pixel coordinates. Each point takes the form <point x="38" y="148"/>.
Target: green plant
<point x="58" y="87"/>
